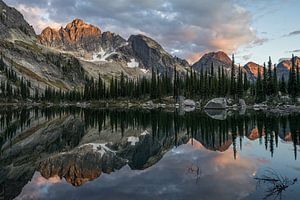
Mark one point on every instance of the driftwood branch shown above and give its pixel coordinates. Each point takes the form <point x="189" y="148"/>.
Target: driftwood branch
<point x="276" y="183"/>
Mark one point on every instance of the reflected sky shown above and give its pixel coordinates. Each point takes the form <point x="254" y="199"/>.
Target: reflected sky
<point x="220" y="175"/>
<point x="74" y="153"/>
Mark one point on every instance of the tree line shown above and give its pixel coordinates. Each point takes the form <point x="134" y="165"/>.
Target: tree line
<point x="203" y="84"/>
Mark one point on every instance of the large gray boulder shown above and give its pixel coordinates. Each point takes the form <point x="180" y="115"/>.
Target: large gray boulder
<point x="189" y="103"/>
<point x="242" y="103"/>
<point x="216" y="103"/>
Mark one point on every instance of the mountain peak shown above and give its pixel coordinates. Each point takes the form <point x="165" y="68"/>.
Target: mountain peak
<point x="285" y="66"/>
<point x="218" y="59"/>
<point x="76" y="34"/>
<point x="219" y="55"/>
<point x="146" y="40"/>
<point x="252" y="69"/>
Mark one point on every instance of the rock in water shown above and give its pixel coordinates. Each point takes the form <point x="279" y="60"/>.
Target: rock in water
<point x="216" y="103"/>
<point x="189" y="103"/>
<point x="242" y="103"/>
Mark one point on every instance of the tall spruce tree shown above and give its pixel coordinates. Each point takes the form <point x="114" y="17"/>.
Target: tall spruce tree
<point x="259" y="92"/>
<point x="282" y="86"/>
<point x="232" y="78"/>
<point x="275" y="81"/>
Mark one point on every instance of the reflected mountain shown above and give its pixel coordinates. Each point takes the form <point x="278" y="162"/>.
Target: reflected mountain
<point x="80" y="144"/>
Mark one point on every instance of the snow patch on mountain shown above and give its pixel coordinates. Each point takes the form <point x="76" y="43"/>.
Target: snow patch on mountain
<point x="133" y="63"/>
<point x="101" y="56"/>
<point x="98" y="147"/>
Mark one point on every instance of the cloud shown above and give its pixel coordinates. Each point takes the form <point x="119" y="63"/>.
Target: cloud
<point x="294" y="51"/>
<point x="247" y="57"/>
<point x="186" y="28"/>
<point x="36" y="16"/>
<point x="294" y="33"/>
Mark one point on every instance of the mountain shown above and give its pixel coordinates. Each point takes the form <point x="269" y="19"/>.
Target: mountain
<point x="151" y="54"/>
<point x="78" y="35"/>
<point x="29" y="60"/>
<point x="108" y="53"/>
<point x="218" y="59"/>
<point x="62" y="58"/>
<point x="252" y="70"/>
<point x="13" y="25"/>
<point x="284" y="66"/>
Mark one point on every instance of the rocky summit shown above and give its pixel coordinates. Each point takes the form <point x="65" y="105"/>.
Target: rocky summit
<point x="151" y="54"/>
<point x="217" y="59"/>
<point x="284" y="66"/>
<point x="78" y="35"/>
<point x="252" y="69"/>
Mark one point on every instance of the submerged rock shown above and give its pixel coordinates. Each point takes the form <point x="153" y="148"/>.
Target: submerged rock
<point x="218" y="114"/>
<point x="242" y="103"/>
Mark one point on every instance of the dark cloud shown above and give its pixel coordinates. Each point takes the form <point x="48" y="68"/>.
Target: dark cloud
<point x="185" y="28"/>
<point x="247" y="57"/>
<point x="294" y="33"/>
<point x="294" y="51"/>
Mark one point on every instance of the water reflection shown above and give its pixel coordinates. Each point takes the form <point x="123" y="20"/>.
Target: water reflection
<point x="59" y="148"/>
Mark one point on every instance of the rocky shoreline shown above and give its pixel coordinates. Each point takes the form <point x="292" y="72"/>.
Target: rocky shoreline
<point x="185" y="105"/>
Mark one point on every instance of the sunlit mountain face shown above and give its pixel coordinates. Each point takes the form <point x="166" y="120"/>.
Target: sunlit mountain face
<point x="53" y="152"/>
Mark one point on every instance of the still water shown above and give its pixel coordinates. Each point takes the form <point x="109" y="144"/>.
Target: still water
<point x="82" y="153"/>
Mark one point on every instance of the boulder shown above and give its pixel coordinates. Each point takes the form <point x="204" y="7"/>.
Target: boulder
<point x="189" y="103"/>
<point x="260" y="106"/>
<point x="242" y="103"/>
<point x="216" y="103"/>
<point x="149" y="104"/>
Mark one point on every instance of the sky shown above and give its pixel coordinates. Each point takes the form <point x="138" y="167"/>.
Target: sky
<point x="251" y="29"/>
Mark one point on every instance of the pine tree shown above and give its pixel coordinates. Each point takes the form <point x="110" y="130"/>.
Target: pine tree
<point x="154" y="85"/>
<point x="240" y="87"/>
<point x="275" y="81"/>
<point x="292" y="83"/>
<point x="270" y="81"/>
<point x="282" y="86"/>
<point x="232" y="79"/>
<point x="265" y="80"/>
<point x="259" y="88"/>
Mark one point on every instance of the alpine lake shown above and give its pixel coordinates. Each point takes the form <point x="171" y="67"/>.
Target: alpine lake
<point x="87" y="153"/>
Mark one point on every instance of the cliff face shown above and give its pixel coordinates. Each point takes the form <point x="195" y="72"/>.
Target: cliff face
<point x="217" y="59"/>
<point x="76" y="35"/>
<point x="151" y="54"/>
<point x="285" y="66"/>
<point x="13" y="24"/>
<point x="252" y="69"/>
<point x="42" y="66"/>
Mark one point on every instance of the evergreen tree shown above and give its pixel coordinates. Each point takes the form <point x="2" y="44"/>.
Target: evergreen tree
<point x="270" y="80"/>
<point x="232" y="79"/>
<point x="154" y="85"/>
<point x="240" y="87"/>
<point x="275" y="81"/>
<point x="259" y="88"/>
<point x="282" y="86"/>
<point x="292" y="83"/>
